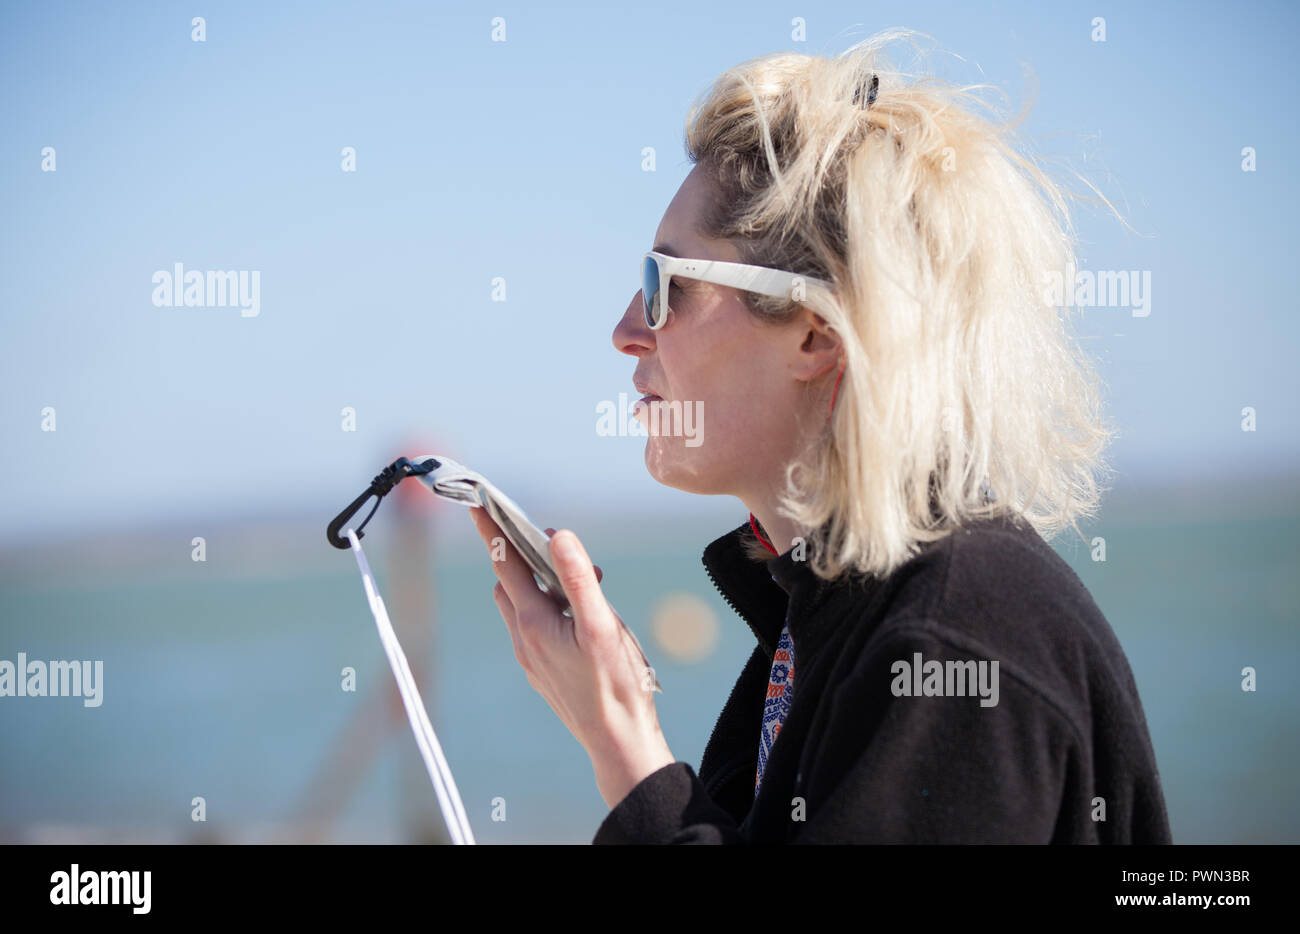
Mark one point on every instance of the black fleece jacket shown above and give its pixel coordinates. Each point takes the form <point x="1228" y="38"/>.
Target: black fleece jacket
<point x="871" y="752"/>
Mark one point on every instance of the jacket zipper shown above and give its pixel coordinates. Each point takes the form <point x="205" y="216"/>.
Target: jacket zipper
<point x="718" y="587"/>
<point x="728" y="772"/>
<point x="798" y="780"/>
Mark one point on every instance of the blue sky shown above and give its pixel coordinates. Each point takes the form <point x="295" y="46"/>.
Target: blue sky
<point x="522" y="159"/>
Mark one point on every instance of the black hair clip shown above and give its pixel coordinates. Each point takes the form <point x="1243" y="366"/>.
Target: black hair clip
<point x="871" y="92"/>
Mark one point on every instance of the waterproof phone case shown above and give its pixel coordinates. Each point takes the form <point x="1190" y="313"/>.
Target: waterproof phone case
<point x="456" y="482"/>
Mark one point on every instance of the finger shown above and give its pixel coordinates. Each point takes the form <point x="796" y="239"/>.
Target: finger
<point x="505" y="606"/>
<point x="499" y="547"/>
<point x="487" y="529"/>
<point x="507" y="578"/>
<point x="578" y="578"/>
<point x="483" y="524"/>
<point x="513" y="573"/>
<point x="512" y="623"/>
<point x="600" y="575"/>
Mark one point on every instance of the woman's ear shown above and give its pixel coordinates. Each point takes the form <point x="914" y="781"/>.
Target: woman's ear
<point x="819" y="347"/>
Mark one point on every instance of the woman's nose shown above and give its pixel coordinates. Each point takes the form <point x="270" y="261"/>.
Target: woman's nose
<point x="632" y="336"/>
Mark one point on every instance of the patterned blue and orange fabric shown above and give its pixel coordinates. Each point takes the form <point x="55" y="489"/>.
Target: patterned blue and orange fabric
<point x="780" y="691"/>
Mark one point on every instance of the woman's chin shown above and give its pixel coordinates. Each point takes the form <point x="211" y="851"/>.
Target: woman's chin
<point x="674" y="464"/>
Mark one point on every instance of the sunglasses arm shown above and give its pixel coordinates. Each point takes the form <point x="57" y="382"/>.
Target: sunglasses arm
<point x="760" y="279"/>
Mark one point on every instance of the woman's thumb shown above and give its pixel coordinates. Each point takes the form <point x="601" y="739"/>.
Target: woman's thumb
<point x="577" y="576"/>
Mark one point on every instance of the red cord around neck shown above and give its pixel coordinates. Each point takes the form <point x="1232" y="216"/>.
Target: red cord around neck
<point x="753" y="523"/>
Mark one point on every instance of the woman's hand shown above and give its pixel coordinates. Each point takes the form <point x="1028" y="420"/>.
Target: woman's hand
<point x="587" y="668"/>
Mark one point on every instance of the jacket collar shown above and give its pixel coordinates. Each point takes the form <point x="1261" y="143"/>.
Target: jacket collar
<point x="770" y="594"/>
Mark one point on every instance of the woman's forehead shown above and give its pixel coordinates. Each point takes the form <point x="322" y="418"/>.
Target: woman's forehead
<point x="679" y="230"/>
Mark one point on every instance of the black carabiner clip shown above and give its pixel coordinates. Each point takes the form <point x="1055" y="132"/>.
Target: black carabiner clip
<point x="379" y="487"/>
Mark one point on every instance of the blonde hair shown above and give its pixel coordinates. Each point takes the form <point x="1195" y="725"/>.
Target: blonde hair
<point x="963" y="394"/>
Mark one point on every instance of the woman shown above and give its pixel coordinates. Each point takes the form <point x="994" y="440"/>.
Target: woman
<point x="904" y="414"/>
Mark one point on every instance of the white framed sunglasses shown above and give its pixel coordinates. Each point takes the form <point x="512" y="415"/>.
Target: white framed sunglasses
<point x="657" y="270"/>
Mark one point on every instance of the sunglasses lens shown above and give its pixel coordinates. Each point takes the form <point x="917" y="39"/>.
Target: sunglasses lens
<point x="650" y="290"/>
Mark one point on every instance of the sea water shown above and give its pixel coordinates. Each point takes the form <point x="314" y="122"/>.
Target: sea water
<point x="224" y="685"/>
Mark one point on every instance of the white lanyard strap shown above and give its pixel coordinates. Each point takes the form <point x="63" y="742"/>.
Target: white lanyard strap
<point x="453" y="811"/>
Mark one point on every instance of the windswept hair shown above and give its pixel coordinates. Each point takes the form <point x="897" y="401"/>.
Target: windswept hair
<point x="964" y="394"/>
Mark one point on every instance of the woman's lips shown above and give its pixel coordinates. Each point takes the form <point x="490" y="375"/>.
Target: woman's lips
<point x="641" y="407"/>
